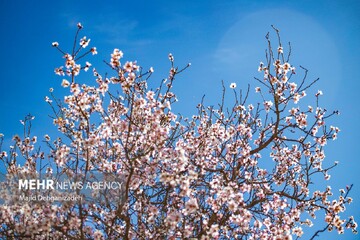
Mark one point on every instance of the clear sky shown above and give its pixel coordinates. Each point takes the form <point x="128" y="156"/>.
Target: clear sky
<point x="224" y="40"/>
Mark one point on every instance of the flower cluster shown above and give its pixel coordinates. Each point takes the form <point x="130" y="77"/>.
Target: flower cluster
<point x="243" y="173"/>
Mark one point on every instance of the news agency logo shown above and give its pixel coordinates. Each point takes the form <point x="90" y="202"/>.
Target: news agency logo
<point x="49" y="184"/>
<point x="92" y="189"/>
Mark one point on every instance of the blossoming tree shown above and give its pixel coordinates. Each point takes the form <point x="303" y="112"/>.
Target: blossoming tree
<point x="239" y="172"/>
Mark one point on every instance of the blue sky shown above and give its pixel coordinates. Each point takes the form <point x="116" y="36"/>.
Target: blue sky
<point x="223" y="41"/>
